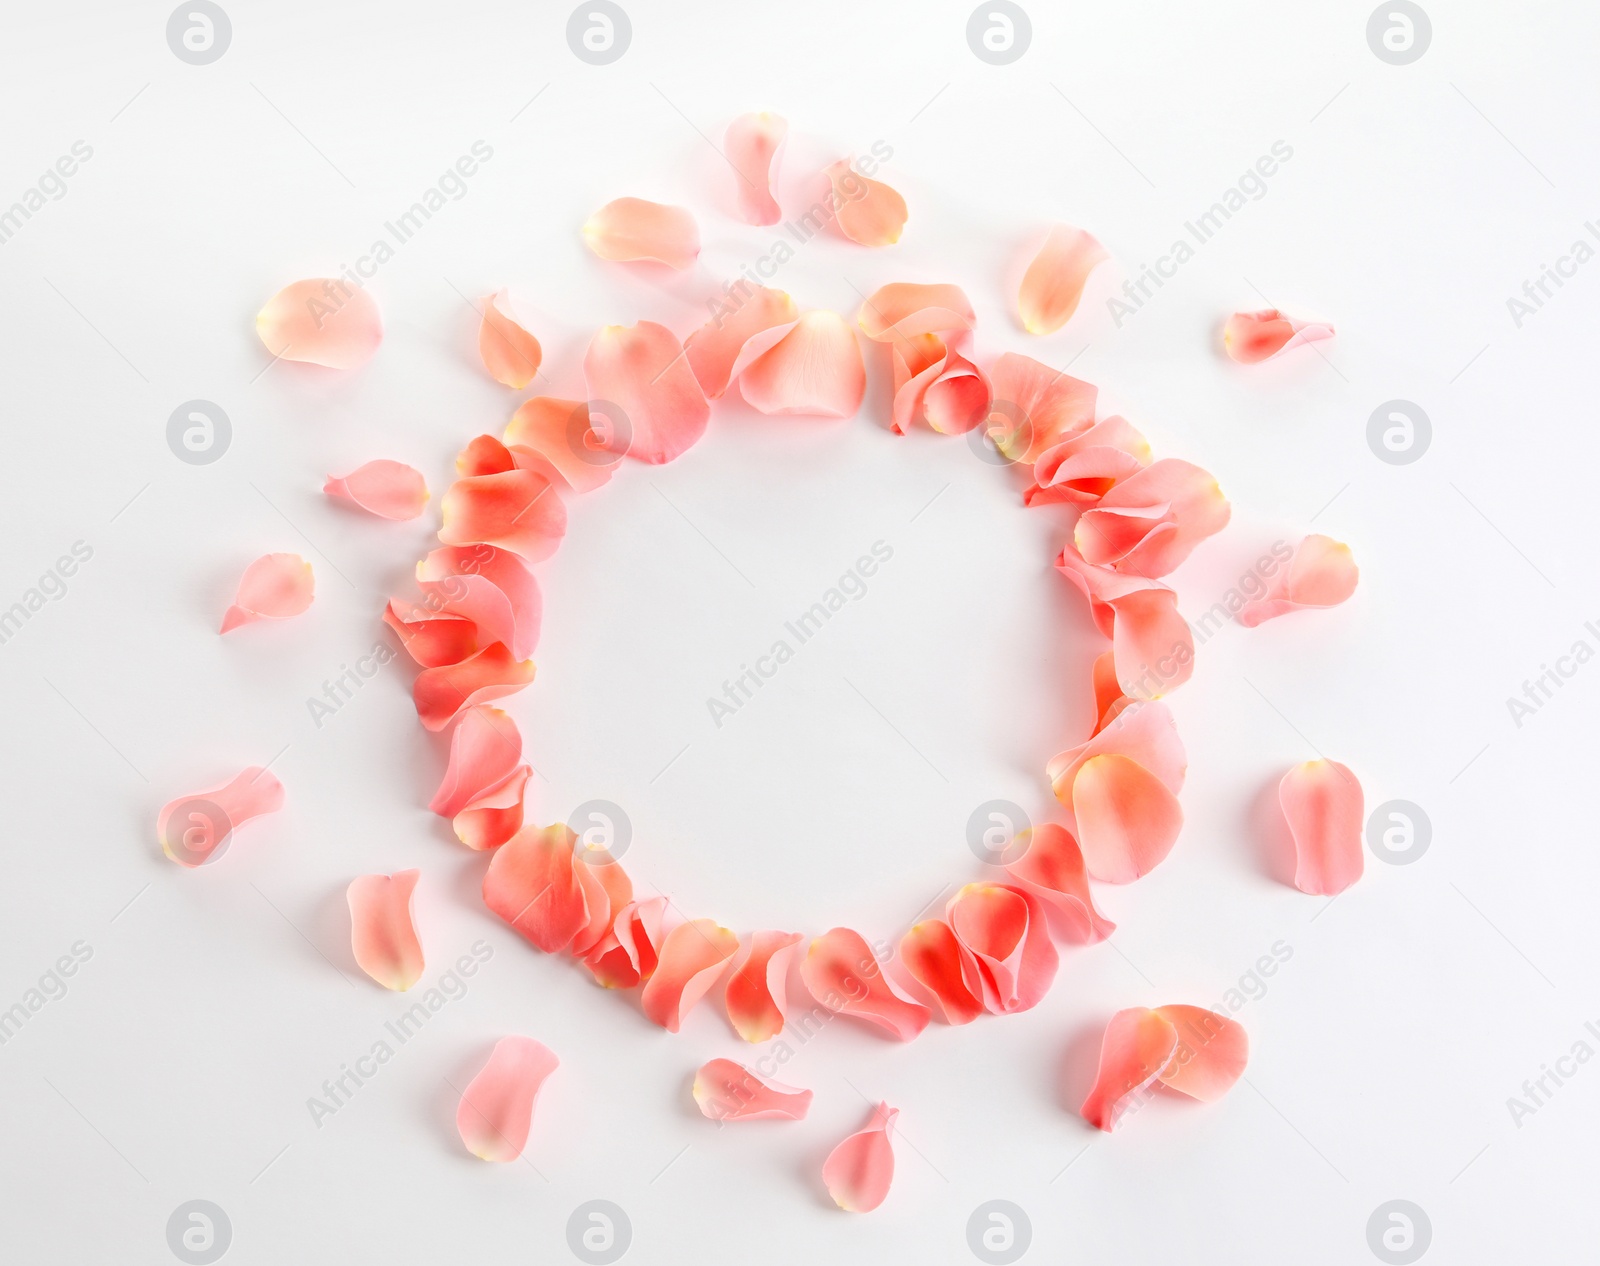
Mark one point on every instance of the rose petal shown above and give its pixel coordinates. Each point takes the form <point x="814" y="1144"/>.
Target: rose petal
<point x="1323" y="804"/>
<point x="390" y="490"/>
<point x="1035" y="407"/>
<point x="631" y="229"/>
<point x="751" y="146"/>
<point x="628" y="953"/>
<point x="509" y="352"/>
<point x="193" y="829"/>
<point x="563" y="441"/>
<point x="744" y="312"/>
<point x="641" y="371"/>
<point x="757" y="993"/>
<point x="496" y="1109"/>
<point x="491" y="587"/>
<point x="1138" y="1046"/>
<point x="322" y="321"/>
<point x="607" y="891"/>
<point x="1322" y="573"/>
<point x="938" y="961"/>
<point x="496" y="814"/>
<point x="727" y="1091"/>
<point x="815" y="368"/>
<point x="383" y="935"/>
<point x="484" y="455"/>
<point x="842" y="973"/>
<point x="1212" y="1052"/>
<point x="433" y="640"/>
<point x="935" y="382"/>
<point x="1152" y="644"/>
<point x="1152" y="520"/>
<point x="441" y="693"/>
<point x="1004" y="928"/>
<point x="1256" y="336"/>
<point x="904" y="309"/>
<point x="692" y="957"/>
<point x="515" y="510"/>
<point x="1127" y="819"/>
<point x="1055" y="279"/>
<point x="1107" y="690"/>
<point x="484" y="748"/>
<point x="858" y="1172"/>
<point x="1089" y="464"/>
<point x="866" y="211"/>
<point x="1144" y="732"/>
<point x="274" y="587"/>
<point x="1052" y="869"/>
<point x="532" y="885"/>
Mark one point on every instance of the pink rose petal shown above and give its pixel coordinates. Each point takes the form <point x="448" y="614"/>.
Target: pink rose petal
<point x="726" y="1091"/>
<point x="858" y="1172"/>
<point x="322" y="321"/>
<point x="752" y="145"/>
<point x="1055" y="279"/>
<point x="815" y="368"/>
<point x="1322" y="802"/>
<point x="1322" y="573"/>
<point x="491" y="587"/>
<point x="485" y="747"/>
<point x="509" y="352"/>
<point x="631" y="229"/>
<point x="532" y="884"/>
<point x="842" y="973"/>
<point x="757" y="993"/>
<point x="193" y="829"/>
<point x="383" y="934"/>
<point x="642" y="372"/>
<point x="866" y="211"/>
<point x="496" y="1110"/>
<point x="274" y="587"/>
<point x="390" y="490"/>
<point x="1256" y="336"/>
<point x="693" y="956"/>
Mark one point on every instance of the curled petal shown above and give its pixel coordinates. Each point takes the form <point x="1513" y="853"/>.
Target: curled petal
<point x="1108" y="696"/>
<point x="641" y="372"/>
<point x="193" y="829"/>
<point x="383" y="934"/>
<point x="692" y="957"/>
<point x="491" y="587"/>
<point x="496" y="1109"/>
<point x="495" y="814"/>
<point x="274" y="587"/>
<point x="1323" y="804"/>
<point x="1051" y="868"/>
<point x="727" y="1091"/>
<point x="1138" y="1046"/>
<point x="1255" y="336"/>
<point x="903" y="309"/>
<point x="842" y="973"/>
<point x="515" y="510"/>
<point x="937" y="960"/>
<point x="1035" y="407"/>
<point x="1322" y="573"/>
<point x="484" y="455"/>
<point x="751" y="145"/>
<point x="1127" y="819"/>
<point x="815" y="368"/>
<point x="631" y="229"/>
<point x="322" y="321"/>
<point x="1212" y="1052"/>
<point x="433" y="640"/>
<point x="390" y="490"/>
<point x="484" y="748"/>
<point x="1144" y="732"/>
<point x="563" y="441"/>
<point x="1055" y="279"/>
<point x="742" y="315"/>
<point x="1088" y="465"/>
<point x="607" y="891"/>
<point x="866" y="211"/>
<point x="858" y="1172"/>
<point x="628" y="953"/>
<point x="532" y="885"/>
<point x="934" y="381"/>
<point x="441" y="693"/>
<point x="757" y="994"/>
<point x="1152" y="644"/>
<point x="1151" y="521"/>
<point x="509" y="352"/>
<point x="1004" y="928"/>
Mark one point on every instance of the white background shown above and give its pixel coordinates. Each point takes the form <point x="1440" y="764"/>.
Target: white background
<point x="1418" y="199"/>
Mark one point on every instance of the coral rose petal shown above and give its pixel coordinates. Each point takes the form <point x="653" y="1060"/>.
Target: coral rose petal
<point x="390" y="490"/>
<point x="758" y="990"/>
<point x="1144" y="732"/>
<point x="496" y="1109"/>
<point x="1055" y="279"/>
<point x="433" y="640"/>
<point x="496" y="814"/>
<point x="514" y="509"/>
<point x="751" y="145"/>
<point x="628" y="953"/>
<point x="1323" y="804"/>
<point x="936" y="960"/>
<point x="1052" y="869"/>
<point x="441" y="693"/>
<point x="641" y="370"/>
<point x="868" y="211"/>
<point x="322" y="321"/>
<point x="816" y="368"/>
<point x="1322" y="573"/>
<point x="193" y="829"/>
<point x="491" y="587"/>
<point x="1035" y="407"/>
<point x="842" y="973"/>
<point x="531" y="884"/>
<point x="1138" y="1046"/>
<point x="1256" y="336"/>
<point x="1004" y="929"/>
<point x="274" y="587"/>
<point x="1127" y="819"/>
<point x="693" y="956"/>
<point x="858" y="1172"/>
<point x="902" y="310"/>
<point x="1085" y="467"/>
<point x="383" y="934"/>
<point x="607" y="891"/>
<point x="484" y="748"/>
<point x="1152" y="644"/>
<point x="1212" y="1052"/>
<point x="743" y="314"/>
<point x="1124" y="528"/>
<point x="726" y="1091"/>
<point x="631" y="229"/>
<point x="563" y="441"/>
<point x="509" y="352"/>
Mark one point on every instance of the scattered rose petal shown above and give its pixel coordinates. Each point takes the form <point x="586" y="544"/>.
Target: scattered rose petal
<point x="744" y="313"/>
<point x="1152" y="644"/>
<point x="433" y="640"/>
<point x="496" y="1109"/>
<point x="607" y="891"/>
<point x="193" y="829"/>
<point x="1138" y="1046"/>
<point x="321" y="321"/>
<point x="383" y="934"/>
<point x="858" y="1172"/>
<point x="1090" y="463"/>
<point x="515" y="510"/>
<point x="1036" y="407"/>
<point x="641" y="371"/>
<point x="509" y="352"/>
<point x="726" y="1091"/>
<point x="495" y="814"/>
<point x="484" y="455"/>
<point x="491" y="587"/>
<point x="1055" y="279"/>
<point x="1323" y="804"/>
<point x="815" y="368"/>
<point x="1255" y="336"/>
<point x="693" y="955"/>
<point x="627" y="954"/>
<point x="485" y="747"/>
<point x="1004" y="928"/>
<point x="1152" y="520"/>
<point x="757" y="993"/>
<point x="563" y="441"/>
<point x="752" y="145"/>
<point x="1051" y="867"/>
<point x="274" y="587"/>
<point x="390" y="490"/>
<point x="532" y="885"/>
<point x="904" y="309"/>
<point x="1212" y="1052"/>
<point x="842" y="973"/>
<point x="631" y="229"/>
<point x="937" y="960"/>
<point x="441" y="693"/>
<point x="866" y="211"/>
<point x="1322" y="573"/>
<point x="935" y="382"/>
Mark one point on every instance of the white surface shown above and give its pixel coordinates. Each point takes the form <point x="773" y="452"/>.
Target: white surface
<point x="1384" y="1051"/>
